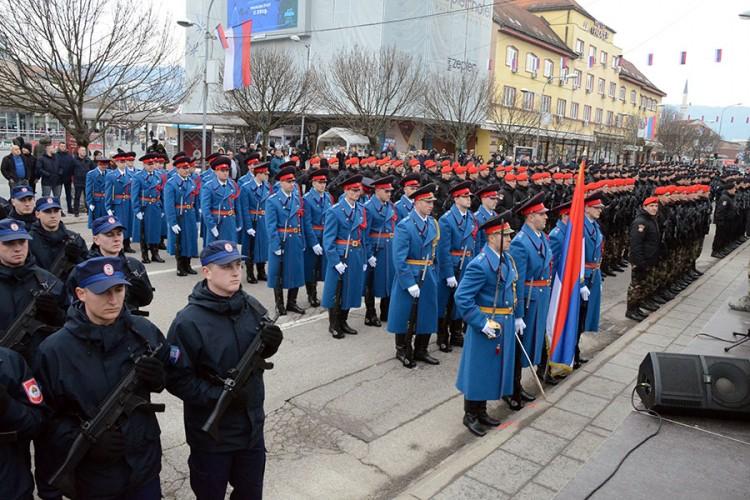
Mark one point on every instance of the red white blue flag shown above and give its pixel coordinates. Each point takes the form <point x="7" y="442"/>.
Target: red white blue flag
<point x="562" y="318"/>
<point x="236" y="43"/>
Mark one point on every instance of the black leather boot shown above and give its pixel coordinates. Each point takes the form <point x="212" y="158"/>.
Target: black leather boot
<point x="188" y="267"/>
<point x="371" y="316"/>
<point x="403" y="352"/>
<point x="278" y="296"/>
<point x="250" y="274"/>
<point x="442" y="336"/>
<point x="334" y="326"/>
<point x="420" y="350"/>
<point x="457" y="332"/>
<point x="471" y="419"/>
<point x="261" y="268"/>
<point x="181" y="267"/>
<point x="291" y="301"/>
<point x="155" y="253"/>
<point x="312" y="293"/>
<point x="344" y="323"/>
<point x="126" y="246"/>
<point x="484" y="416"/>
<point x="385" y="302"/>
<point x="161" y="245"/>
<point x="144" y="254"/>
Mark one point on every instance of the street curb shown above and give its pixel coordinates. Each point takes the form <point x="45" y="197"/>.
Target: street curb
<point x="450" y="469"/>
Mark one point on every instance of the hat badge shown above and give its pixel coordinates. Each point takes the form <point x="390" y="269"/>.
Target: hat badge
<point x="49" y="200"/>
<point x="228" y="247"/>
<point x="14" y="227"/>
<point x="23" y="189"/>
<point x="108" y="269"/>
<point x="111" y="220"/>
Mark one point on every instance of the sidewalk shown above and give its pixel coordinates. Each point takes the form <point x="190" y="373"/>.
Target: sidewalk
<point x="537" y="453"/>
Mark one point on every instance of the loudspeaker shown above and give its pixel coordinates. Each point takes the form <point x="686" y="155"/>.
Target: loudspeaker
<point x="695" y="385"/>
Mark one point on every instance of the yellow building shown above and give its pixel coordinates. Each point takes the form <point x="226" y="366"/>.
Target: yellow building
<point x="563" y="89"/>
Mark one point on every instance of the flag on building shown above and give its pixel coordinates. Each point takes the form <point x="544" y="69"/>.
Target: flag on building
<point x="563" y="63"/>
<point x="683" y="57"/>
<point x="651" y="59"/>
<point x="718" y="55"/>
<point x="562" y="318"/>
<point x="236" y="43"/>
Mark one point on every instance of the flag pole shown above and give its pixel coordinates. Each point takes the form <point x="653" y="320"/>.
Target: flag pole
<point x="531" y="365"/>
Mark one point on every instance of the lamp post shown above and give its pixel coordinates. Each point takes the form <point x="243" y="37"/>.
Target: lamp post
<point x="721" y="119"/>
<point x="207" y="36"/>
<point x="296" y="38"/>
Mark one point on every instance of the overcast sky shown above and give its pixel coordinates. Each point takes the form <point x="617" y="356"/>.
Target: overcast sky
<point x="664" y="28"/>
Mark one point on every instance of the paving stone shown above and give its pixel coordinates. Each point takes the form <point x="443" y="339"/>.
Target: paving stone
<point x="660" y="328"/>
<point x="618" y="373"/>
<point x="584" y="445"/>
<point x="504" y="471"/>
<point x="629" y="359"/>
<point x="561" y="423"/>
<point x="657" y="340"/>
<point x="466" y="488"/>
<point x="533" y="444"/>
<point x="582" y="403"/>
<point x="601" y="387"/>
<point x="558" y="473"/>
<point x="533" y="491"/>
<point x="614" y="414"/>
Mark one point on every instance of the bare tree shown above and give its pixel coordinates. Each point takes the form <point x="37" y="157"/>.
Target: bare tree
<point x="456" y="103"/>
<point x="279" y="93"/>
<point x="367" y="89"/>
<point x="512" y="123"/>
<point x="705" y="142"/>
<point x="675" y="135"/>
<point x="88" y="61"/>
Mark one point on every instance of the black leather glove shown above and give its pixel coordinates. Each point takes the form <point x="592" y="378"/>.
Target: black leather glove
<point x="150" y="371"/>
<point x="73" y="252"/>
<point x="4" y="399"/>
<point x="272" y="337"/>
<point x="109" y="447"/>
<point x="47" y="309"/>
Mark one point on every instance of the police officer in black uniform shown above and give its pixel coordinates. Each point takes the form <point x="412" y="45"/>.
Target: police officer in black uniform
<point x="52" y="242"/>
<point x="22" y="202"/>
<point x="80" y="365"/>
<point x="724" y="217"/>
<point x="209" y="336"/>
<point x="645" y="242"/>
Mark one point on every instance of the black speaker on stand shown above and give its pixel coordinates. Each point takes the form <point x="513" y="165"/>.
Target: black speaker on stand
<point x="691" y="384"/>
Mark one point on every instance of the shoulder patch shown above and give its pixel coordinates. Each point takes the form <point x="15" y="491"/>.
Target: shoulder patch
<point x="33" y="392"/>
<point x="641" y="228"/>
<point x="724" y="203"/>
<point x="174" y="354"/>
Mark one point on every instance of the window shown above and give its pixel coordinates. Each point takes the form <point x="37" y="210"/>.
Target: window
<point x="622" y="93"/>
<point x="598" y="116"/>
<point x="579" y="46"/>
<point x="549" y="67"/>
<point x="610" y="118"/>
<point x="615" y="62"/>
<point x="592" y="55"/>
<point x="532" y="63"/>
<point x="511" y="58"/>
<point x="589" y="83"/>
<point x="643" y="101"/>
<point x="509" y="96"/>
<point x="586" y="113"/>
<point x="563" y="74"/>
<point x="603" y="58"/>
<point x="633" y="97"/>
<point x="546" y="103"/>
<point x="528" y="101"/>
<point x="612" y="89"/>
<point x="574" y="110"/>
<point x="618" y="120"/>
<point x="561" y="105"/>
<point x="577" y="77"/>
<point x="602" y="84"/>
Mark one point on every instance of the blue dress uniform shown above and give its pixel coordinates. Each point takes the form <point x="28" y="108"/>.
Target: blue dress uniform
<point x="556" y="243"/>
<point x="415" y="242"/>
<point x="95" y="190"/>
<point x="594" y="242"/>
<point x="344" y="241"/>
<point x="316" y="206"/>
<point x="117" y="194"/>
<point x="404" y="205"/>
<point x="457" y="243"/>
<point x="382" y="218"/>
<point x="180" y="198"/>
<point x="253" y="197"/>
<point x="147" y="188"/>
<point x="284" y="214"/>
<point x="221" y="206"/>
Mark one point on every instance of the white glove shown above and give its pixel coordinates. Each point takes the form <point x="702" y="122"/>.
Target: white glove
<point x="277" y="252"/>
<point x="364" y="268"/>
<point x="520" y="326"/>
<point x="239" y="229"/>
<point x="340" y="267"/>
<point x="413" y="291"/>
<point x="139" y="215"/>
<point x="373" y="261"/>
<point x="92" y="207"/>
<point x="317" y="249"/>
<point x="110" y="213"/>
<point x="176" y="229"/>
<point x="585" y="292"/>
<point x="251" y="231"/>
<point x="488" y="330"/>
<point x="215" y="232"/>
<point x="451" y="282"/>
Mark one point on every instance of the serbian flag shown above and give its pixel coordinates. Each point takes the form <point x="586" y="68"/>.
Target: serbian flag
<point x="718" y="55"/>
<point x="562" y="318"/>
<point x="683" y="57"/>
<point x="651" y="59"/>
<point x="236" y="43"/>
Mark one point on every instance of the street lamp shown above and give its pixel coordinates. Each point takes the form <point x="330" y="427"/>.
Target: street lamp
<point x="296" y="38"/>
<point x="207" y="35"/>
<point x="721" y="119"/>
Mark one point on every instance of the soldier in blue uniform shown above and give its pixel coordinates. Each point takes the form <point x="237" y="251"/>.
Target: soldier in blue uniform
<point x="458" y="231"/>
<point x="415" y="242"/>
<point x="254" y="193"/>
<point x="95" y="190"/>
<point x="181" y="212"/>
<point x="532" y="254"/>
<point x="591" y="291"/>
<point x="404" y="205"/>
<point x="117" y="192"/>
<point x="347" y="258"/>
<point x="220" y="204"/>
<point x="317" y="202"/>
<point x="488" y="198"/>
<point x="381" y="221"/>
<point x="486" y="299"/>
<point x="286" y="241"/>
<point x="147" y="209"/>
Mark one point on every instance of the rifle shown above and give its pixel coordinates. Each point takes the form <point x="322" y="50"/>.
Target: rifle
<point x="62" y="265"/>
<point x="25" y="325"/>
<point x="237" y="377"/>
<point x="340" y="281"/>
<point x="411" y="328"/>
<point x="280" y="276"/>
<point x="8" y="437"/>
<point x="121" y="402"/>
<point x="178" y="236"/>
